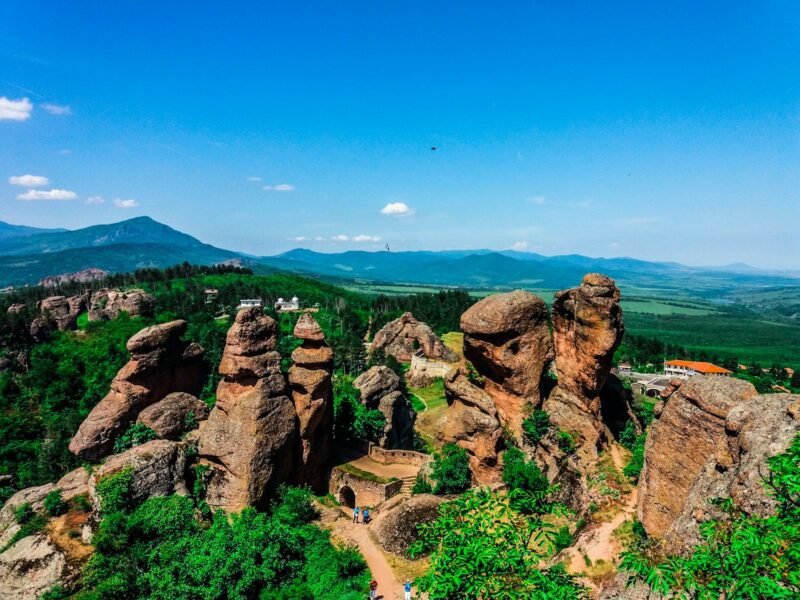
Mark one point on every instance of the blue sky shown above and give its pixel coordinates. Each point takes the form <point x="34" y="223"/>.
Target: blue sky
<point x="663" y="131"/>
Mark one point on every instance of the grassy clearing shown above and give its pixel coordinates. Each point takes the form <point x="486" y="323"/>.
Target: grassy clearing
<point x="656" y="307"/>
<point x="455" y="341"/>
<point x="432" y="396"/>
<point x="365" y="475"/>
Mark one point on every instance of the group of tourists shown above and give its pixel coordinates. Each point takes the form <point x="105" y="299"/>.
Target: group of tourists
<point x="373" y="585"/>
<point x="365" y="512"/>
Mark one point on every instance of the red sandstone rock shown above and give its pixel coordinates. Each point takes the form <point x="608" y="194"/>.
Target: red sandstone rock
<point x="405" y="335"/>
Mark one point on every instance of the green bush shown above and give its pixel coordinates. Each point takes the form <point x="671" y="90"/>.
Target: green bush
<point x="23" y="513"/>
<point x="351" y="419"/>
<point x="521" y="474"/>
<point x="563" y="538"/>
<point x="451" y="471"/>
<point x="536" y="425"/>
<point x="136" y="435"/>
<point x="54" y="504"/>
<point x="421" y="485"/>
<point x="115" y="492"/>
<point x="566" y="442"/>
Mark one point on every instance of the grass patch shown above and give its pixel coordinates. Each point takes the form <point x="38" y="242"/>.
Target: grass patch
<point x="431" y="396"/>
<point x="365" y="475"/>
<point x="417" y="404"/>
<point x="455" y="341"/>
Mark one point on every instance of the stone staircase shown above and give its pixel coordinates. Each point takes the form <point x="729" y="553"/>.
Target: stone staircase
<point x="408" y="483"/>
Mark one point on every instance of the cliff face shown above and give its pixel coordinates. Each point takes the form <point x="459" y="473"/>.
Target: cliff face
<point x="405" y="335"/>
<point x="380" y="389"/>
<point x="249" y="438"/>
<point x="312" y="395"/>
<point x="108" y="303"/>
<point x="161" y="363"/>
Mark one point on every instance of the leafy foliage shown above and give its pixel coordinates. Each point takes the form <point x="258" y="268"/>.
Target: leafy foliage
<point x="450" y="470"/>
<point x="421" y="485"/>
<point x="741" y="556"/>
<point x="136" y="435"/>
<point x="480" y="547"/>
<point x="351" y="419"/>
<point x="536" y="425"/>
<point x="54" y="504"/>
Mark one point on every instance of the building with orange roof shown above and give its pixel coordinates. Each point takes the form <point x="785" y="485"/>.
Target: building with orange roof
<point x="687" y="368"/>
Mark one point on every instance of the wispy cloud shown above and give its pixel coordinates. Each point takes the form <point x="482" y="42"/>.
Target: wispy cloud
<point x="366" y="238"/>
<point x="48" y="195"/>
<point x="520" y="246"/>
<point x="65" y="152"/>
<point x="29" y="181"/>
<point x="536" y="200"/>
<point x="300" y="238"/>
<point x="340" y="238"/>
<point x="360" y="238"/>
<point x="95" y="200"/>
<point x="281" y="187"/>
<point x="640" y="221"/>
<point x="15" y="110"/>
<point x="254" y="178"/>
<point x="57" y="109"/>
<point x="125" y="203"/>
<point x="397" y="209"/>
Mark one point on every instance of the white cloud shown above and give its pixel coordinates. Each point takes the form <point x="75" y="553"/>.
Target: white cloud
<point x="520" y="246"/>
<point x="281" y="187"/>
<point x="129" y="203"/>
<point x="95" y="200"/>
<point x="319" y="238"/>
<point x="15" y="110"/>
<point x="615" y="245"/>
<point x="397" y="209"/>
<point x="48" y="195"/>
<point x="57" y="109"/>
<point x="536" y="200"/>
<point x="254" y="178"/>
<point x="29" y="181"/>
<point x="340" y="238"/>
<point x="300" y="238"/>
<point x="366" y="238"/>
<point x="65" y="152"/>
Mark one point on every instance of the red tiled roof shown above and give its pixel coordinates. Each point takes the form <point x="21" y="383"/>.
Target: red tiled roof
<point x="700" y="367"/>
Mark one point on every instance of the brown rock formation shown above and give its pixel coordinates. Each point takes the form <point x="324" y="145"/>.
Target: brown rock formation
<point x="472" y="422"/>
<point x="587" y="328"/>
<point x="34" y="496"/>
<point x="106" y="305"/>
<point x="405" y="335"/>
<point x="57" y="312"/>
<point x="15" y="309"/>
<point x="250" y="435"/>
<point x="168" y="417"/>
<point x="380" y="388"/>
<point x="507" y="340"/>
<point x="689" y="431"/>
<point x="396" y="529"/>
<point x="161" y="363"/>
<point x="312" y="394"/>
<point x="32" y="567"/>
<point x="157" y="469"/>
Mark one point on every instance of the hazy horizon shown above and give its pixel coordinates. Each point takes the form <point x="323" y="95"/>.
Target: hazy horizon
<point x="662" y="132"/>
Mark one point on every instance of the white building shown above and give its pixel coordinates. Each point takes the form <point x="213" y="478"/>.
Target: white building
<point x="287" y="305"/>
<point x="688" y="368"/>
<point x="249" y="302"/>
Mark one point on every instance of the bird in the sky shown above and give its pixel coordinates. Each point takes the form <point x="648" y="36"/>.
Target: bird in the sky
<point x="433" y="147"/>
<point x="387" y="248"/>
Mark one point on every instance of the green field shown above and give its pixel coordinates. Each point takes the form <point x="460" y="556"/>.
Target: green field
<point x="431" y="396"/>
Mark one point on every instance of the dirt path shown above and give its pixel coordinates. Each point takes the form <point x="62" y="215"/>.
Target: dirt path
<point x="342" y="527"/>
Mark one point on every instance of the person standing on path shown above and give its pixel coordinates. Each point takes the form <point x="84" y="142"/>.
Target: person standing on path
<point x="365" y="520"/>
<point x="407" y="589"/>
<point x="373" y="589"/>
<point x="355" y="514"/>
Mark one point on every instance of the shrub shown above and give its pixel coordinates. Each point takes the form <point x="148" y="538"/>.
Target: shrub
<point x="474" y="377"/>
<point x="115" y="492"/>
<point x="451" y="470"/>
<point x="54" y="504"/>
<point x="137" y="434"/>
<point x="566" y="442"/>
<point x="421" y="485"/>
<point x="536" y="425"/>
<point x="24" y="513"/>
<point x="520" y="474"/>
<point x="562" y="539"/>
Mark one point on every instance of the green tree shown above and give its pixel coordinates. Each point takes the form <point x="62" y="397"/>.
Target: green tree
<point x="450" y="470"/>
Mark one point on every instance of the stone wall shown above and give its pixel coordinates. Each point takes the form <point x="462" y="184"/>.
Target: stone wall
<point x="398" y="457"/>
<point x="367" y="493"/>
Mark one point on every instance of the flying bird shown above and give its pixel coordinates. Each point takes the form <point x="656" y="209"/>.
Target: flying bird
<point x="433" y="147"/>
<point x="387" y="248"/>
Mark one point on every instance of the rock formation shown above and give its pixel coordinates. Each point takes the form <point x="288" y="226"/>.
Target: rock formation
<point x="157" y="468"/>
<point x="396" y="529"/>
<point x="170" y="417"/>
<point x="161" y="363"/>
<point x="587" y="328"/>
<point x="312" y="394"/>
<point x="472" y="422"/>
<point x="380" y="388"/>
<point x="15" y="309"/>
<point x="405" y="335"/>
<point x="506" y="338"/>
<point x="249" y="437"/>
<point x="106" y="304"/>
<point x="59" y="312"/>
<point x="32" y="567"/>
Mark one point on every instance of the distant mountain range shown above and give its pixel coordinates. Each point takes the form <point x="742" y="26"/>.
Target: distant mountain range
<point x="28" y="255"/>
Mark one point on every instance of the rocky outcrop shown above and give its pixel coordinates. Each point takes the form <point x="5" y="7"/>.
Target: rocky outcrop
<point x="34" y="496"/>
<point x="84" y="276"/>
<point x="396" y="530"/>
<point x="249" y="438"/>
<point x="507" y="339"/>
<point x="172" y="417"/>
<point x="690" y="431"/>
<point x="15" y="309"/>
<point x="402" y="337"/>
<point x="380" y="389"/>
<point x="587" y="328"/>
<point x="57" y="312"/>
<point x="157" y="468"/>
<point x="73" y="484"/>
<point x="31" y="567"/>
<point x="106" y="304"/>
<point x="312" y="394"/>
<point x="161" y="363"/>
<point x="471" y="421"/>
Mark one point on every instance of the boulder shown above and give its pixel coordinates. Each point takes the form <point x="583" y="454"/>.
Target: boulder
<point x="507" y="339"/>
<point x="32" y="567"/>
<point x="405" y="335"/>
<point x="160" y="364"/>
<point x="157" y="469"/>
<point x="57" y="312"/>
<point x="250" y="436"/>
<point x="15" y="309"/>
<point x="312" y="395"/>
<point x="380" y="389"/>
<point x="74" y="483"/>
<point x="471" y="421"/>
<point x="587" y="329"/>
<point x="690" y="431"/>
<point x="169" y="417"/>
<point x="34" y="496"/>
<point x="396" y="530"/>
<point x="106" y="304"/>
